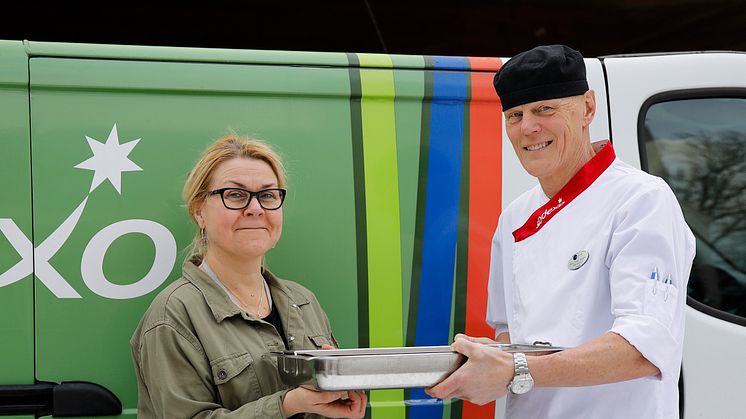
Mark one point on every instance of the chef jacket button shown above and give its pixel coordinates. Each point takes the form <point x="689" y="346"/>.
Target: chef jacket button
<point x="222" y="374"/>
<point x="291" y="338"/>
<point x="295" y="305"/>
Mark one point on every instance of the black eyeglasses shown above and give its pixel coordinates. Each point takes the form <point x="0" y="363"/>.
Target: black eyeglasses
<point x="237" y="198"/>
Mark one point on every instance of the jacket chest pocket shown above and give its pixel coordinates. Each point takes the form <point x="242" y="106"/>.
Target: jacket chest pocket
<point x="320" y="340"/>
<point x="311" y="322"/>
<point x="235" y="379"/>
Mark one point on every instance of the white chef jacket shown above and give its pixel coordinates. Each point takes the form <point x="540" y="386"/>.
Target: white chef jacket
<point x="630" y="225"/>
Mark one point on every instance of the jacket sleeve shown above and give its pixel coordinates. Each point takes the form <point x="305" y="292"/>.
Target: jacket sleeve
<point x="650" y="235"/>
<point x="176" y="380"/>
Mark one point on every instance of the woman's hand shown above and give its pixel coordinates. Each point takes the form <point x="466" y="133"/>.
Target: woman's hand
<point x="333" y="404"/>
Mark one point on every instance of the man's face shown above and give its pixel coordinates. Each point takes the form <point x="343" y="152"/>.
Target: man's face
<point x="547" y="135"/>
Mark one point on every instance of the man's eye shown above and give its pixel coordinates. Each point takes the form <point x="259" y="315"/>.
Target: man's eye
<point x="545" y="108"/>
<point x="515" y="116"/>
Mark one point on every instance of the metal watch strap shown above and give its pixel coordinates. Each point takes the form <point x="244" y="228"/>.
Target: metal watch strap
<point x="521" y="364"/>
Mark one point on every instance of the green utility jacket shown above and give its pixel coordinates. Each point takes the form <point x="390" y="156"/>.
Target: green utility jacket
<point x="197" y="355"/>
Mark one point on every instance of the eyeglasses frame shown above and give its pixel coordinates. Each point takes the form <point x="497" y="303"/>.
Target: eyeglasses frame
<point x="221" y="191"/>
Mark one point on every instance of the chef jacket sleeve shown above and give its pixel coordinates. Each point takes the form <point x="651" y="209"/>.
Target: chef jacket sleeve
<point x="496" y="302"/>
<point x="649" y="233"/>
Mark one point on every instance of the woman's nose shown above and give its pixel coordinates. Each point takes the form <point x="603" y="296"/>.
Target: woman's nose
<point x="253" y="208"/>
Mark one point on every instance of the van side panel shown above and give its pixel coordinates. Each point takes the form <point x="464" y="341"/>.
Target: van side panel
<point x="16" y="249"/>
<point x="132" y="226"/>
<point x="395" y="189"/>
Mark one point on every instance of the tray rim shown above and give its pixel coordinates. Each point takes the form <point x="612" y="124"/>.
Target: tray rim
<point x="407" y="350"/>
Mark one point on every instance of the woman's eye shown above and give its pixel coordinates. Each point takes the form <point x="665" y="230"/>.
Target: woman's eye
<point x="268" y="195"/>
<point x="236" y="195"/>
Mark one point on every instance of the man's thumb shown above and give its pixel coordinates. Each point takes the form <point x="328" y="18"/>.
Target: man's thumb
<point x="465" y="346"/>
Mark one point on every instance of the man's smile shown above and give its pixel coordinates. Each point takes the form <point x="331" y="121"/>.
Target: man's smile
<point x="536" y="147"/>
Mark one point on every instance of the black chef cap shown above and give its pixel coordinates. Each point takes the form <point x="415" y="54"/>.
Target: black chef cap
<point x="545" y="72"/>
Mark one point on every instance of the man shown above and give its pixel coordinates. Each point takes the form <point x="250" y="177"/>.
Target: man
<point x="595" y="258"/>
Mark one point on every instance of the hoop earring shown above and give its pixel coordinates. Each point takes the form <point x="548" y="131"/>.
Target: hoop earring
<point x="202" y="237"/>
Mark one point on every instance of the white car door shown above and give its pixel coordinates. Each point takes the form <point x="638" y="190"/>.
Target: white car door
<point x="683" y="117"/>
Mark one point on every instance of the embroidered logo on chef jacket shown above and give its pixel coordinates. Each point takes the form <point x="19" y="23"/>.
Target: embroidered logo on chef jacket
<point x="577" y="260"/>
<point x="547" y="212"/>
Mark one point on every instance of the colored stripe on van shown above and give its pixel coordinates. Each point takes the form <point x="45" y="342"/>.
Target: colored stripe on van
<point x="382" y="216"/>
<point x="424" y="235"/>
<point x="441" y="214"/>
<point x="408" y="104"/>
<point x="441" y="207"/>
<point x="485" y="193"/>
<point x="358" y="162"/>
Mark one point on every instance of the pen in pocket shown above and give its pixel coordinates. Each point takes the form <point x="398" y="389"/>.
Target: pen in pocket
<point x="668" y="283"/>
<point x="654" y="277"/>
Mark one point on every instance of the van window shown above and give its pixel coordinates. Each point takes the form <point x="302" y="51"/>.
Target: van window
<point x="698" y="145"/>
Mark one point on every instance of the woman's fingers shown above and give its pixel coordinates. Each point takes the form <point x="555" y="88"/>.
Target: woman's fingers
<point x="334" y="404"/>
<point x="358" y="402"/>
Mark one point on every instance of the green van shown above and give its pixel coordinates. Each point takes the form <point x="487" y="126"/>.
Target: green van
<point x="96" y="145"/>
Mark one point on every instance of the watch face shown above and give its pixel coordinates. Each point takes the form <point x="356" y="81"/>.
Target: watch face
<point x="521" y="386"/>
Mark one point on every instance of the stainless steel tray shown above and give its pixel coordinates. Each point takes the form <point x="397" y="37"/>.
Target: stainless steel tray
<point x="378" y="368"/>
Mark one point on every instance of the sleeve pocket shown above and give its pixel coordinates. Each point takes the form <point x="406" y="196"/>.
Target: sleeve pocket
<point x="229" y="366"/>
<point x="661" y="301"/>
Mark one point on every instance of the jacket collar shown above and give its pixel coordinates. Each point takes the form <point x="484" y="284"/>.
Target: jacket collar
<point x="221" y="305"/>
<point x="581" y="181"/>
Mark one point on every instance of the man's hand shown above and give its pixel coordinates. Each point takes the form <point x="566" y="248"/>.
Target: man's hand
<point x="483" y="378"/>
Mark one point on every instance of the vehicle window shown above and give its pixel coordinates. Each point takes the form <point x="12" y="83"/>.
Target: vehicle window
<point x="698" y="146"/>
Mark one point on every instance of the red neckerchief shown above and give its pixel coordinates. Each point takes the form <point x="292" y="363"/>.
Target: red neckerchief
<point x="579" y="183"/>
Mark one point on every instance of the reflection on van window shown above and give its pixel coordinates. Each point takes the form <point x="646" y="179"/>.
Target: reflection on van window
<point x="699" y="147"/>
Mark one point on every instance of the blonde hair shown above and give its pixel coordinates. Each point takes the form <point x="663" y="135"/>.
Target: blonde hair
<point x="223" y="149"/>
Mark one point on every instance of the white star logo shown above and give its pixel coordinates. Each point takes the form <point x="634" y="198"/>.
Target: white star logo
<point x="109" y="160"/>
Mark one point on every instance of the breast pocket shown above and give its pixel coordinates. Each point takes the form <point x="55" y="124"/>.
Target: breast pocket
<point x="235" y="379"/>
<point x="319" y="340"/>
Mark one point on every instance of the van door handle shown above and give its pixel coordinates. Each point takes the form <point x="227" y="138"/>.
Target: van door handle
<point x="70" y="398"/>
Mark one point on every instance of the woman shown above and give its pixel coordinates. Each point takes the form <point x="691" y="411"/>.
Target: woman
<point x="202" y="348"/>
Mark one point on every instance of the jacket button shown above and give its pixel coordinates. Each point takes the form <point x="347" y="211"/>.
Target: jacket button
<point x="291" y="338"/>
<point x="295" y="305"/>
<point x="222" y="374"/>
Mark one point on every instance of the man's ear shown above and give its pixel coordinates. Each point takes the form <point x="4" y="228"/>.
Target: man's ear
<point x="589" y="110"/>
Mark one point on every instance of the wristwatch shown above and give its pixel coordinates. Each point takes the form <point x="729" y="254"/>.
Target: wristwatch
<point x="522" y="381"/>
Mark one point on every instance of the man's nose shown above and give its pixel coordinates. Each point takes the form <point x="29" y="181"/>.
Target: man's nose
<point x="529" y="124"/>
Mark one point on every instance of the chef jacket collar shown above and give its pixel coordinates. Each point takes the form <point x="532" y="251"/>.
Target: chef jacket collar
<point x="577" y="184"/>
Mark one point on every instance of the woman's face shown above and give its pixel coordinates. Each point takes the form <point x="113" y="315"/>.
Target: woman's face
<point x="240" y="234"/>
